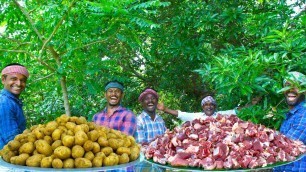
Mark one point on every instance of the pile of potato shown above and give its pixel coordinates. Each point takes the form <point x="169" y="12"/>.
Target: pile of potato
<point x="70" y="142"/>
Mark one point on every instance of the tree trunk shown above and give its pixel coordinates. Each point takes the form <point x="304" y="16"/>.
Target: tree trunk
<point x="65" y="95"/>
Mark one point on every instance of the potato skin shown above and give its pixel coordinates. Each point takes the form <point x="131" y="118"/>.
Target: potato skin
<point x="100" y="154"/>
<point x="103" y="142"/>
<point x="20" y="159"/>
<point x="39" y="133"/>
<point x="97" y="161"/>
<point x="34" y="160"/>
<point x="81" y="120"/>
<point x="80" y="138"/>
<point x="57" y="163"/>
<point x="96" y="147"/>
<point x="124" y="158"/>
<point x="56" y="144"/>
<point x="48" y="139"/>
<point x="115" y="143"/>
<point x="93" y="135"/>
<point x="50" y="127"/>
<point x="122" y="150"/>
<point x="69" y="163"/>
<point x="70" y="125"/>
<point x="89" y="155"/>
<point x="133" y="156"/>
<point x="31" y="138"/>
<point x="56" y="135"/>
<point x="88" y="145"/>
<point x="14" y="145"/>
<point x="43" y="147"/>
<point x="107" y="150"/>
<point x="127" y="142"/>
<point x="27" y="148"/>
<point x="77" y="151"/>
<point x="63" y="119"/>
<point x="7" y="154"/>
<point x="109" y="161"/>
<point x="68" y="141"/>
<point x="62" y="152"/>
<point x="82" y="163"/>
<point x="46" y="162"/>
<point x="116" y="158"/>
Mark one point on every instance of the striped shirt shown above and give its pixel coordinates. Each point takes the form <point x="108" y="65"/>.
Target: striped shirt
<point x="12" y="119"/>
<point x="122" y="119"/>
<point x="147" y="129"/>
<point x="294" y="127"/>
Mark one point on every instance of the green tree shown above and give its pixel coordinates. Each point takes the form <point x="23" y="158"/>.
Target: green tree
<point x="72" y="48"/>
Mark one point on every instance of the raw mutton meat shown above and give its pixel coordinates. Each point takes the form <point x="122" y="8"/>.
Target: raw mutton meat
<point x="224" y="142"/>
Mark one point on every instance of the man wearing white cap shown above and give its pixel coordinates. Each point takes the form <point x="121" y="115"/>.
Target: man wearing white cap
<point x="209" y="106"/>
<point x="12" y="120"/>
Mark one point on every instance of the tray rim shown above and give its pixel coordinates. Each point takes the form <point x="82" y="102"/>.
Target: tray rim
<point x="28" y="169"/>
<point x="270" y="166"/>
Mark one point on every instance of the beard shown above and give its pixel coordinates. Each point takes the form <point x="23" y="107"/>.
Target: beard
<point x="114" y="103"/>
<point x="209" y="112"/>
<point x="296" y="101"/>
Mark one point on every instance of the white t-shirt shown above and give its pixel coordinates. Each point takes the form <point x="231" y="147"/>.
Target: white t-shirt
<point x="188" y="116"/>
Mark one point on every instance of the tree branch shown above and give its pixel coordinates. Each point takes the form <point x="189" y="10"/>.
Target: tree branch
<point x="30" y="20"/>
<point x="11" y="40"/>
<point x="25" y="52"/>
<point x="86" y="45"/>
<point x="57" y="27"/>
<point x="128" y="67"/>
<point x="44" y="77"/>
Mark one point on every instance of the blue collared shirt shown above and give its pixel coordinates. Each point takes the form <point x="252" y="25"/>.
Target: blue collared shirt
<point x="147" y="129"/>
<point x="294" y="127"/>
<point x="12" y="119"/>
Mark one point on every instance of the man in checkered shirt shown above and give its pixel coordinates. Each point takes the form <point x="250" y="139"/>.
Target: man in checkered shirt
<point x="294" y="125"/>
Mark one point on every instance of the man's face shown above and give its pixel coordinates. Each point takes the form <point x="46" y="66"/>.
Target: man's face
<point x="114" y="96"/>
<point x="292" y="96"/>
<point x="14" y="83"/>
<point x="209" y="108"/>
<point x="149" y="103"/>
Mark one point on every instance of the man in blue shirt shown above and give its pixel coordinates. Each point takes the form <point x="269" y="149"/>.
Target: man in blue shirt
<point x="294" y="125"/>
<point x="12" y="120"/>
<point x="149" y="125"/>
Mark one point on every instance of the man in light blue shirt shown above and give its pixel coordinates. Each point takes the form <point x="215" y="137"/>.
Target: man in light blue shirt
<point x="149" y="125"/>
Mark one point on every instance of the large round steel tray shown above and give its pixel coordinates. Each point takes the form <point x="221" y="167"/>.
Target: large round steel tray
<point x="195" y="169"/>
<point x="5" y="166"/>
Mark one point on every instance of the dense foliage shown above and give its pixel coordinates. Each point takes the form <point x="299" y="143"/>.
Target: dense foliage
<point x="185" y="49"/>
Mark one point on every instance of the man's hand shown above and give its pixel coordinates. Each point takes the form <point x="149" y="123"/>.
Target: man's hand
<point x="160" y="106"/>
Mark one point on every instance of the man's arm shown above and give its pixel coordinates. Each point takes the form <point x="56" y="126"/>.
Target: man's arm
<point x="162" y="107"/>
<point x="8" y="122"/>
<point x="184" y="116"/>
